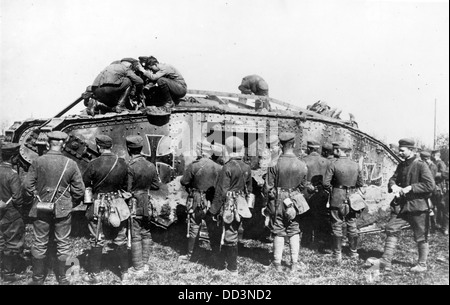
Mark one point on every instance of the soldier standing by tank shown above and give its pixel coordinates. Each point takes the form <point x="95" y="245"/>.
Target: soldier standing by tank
<point x="284" y="181"/>
<point x="317" y="223"/>
<point x="234" y="180"/>
<point x="412" y="183"/>
<point x="142" y="178"/>
<point x="441" y="204"/>
<point x="342" y="179"/>
<point x="55" y="178"/>
<point x="12" y="227"/>
<point x="106" y="175"/>
<point x="200" y="178"/>
<point x="327" y="152"/>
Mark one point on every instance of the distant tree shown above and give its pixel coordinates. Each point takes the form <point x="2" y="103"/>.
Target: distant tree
<point x="442" y="143"/>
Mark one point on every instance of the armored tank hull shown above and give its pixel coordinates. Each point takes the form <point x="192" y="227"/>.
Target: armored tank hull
<point x="170" y="143"/>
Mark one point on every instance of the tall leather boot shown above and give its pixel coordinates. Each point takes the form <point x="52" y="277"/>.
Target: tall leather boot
<point x="146" y="249"/>
<point x="232" y="254"/>
<point x="389" y="249"/>
<point x="61" y="272"/>
<point x="136" y="258"/>
<point x="190" y="250"/>
<point x="121" y="104"/>
<point x="354" y="247"/>
<point x="9" y="264"/>
<point x="337" y="249"/>
<point x="38" y="271"/>
<point x="423" y="257"/>
<point x="122" y="255"/>
<point x="94" y="261"/>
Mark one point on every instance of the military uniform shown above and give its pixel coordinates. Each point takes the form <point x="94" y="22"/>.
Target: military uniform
<point x="106" y="174"/>
<point x="199" y="179"/>
<point x="440" y="198"/>
<point x="432" y="204"/>
<point x="234" y="179"/>
<point x="12" y="227"/>
<point x="142" y="177"/>
<point x="410" y="206"/>
<point x="42" y="180"/>
<point x="317" y="225"/>
<point x="284" y="181"/>
<point x="341" y="179"/>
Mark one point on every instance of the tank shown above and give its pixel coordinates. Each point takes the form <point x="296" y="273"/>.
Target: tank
<point x="170" y="143"/>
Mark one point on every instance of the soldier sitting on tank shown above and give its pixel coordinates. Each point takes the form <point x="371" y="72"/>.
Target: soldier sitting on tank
<point x="166" y="88"/>
<point x="113" y="87"/>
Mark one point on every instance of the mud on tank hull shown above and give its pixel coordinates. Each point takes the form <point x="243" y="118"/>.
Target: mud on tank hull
<point x="169" y="142"/>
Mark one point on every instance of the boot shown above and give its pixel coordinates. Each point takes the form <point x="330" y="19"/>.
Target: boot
<point x="165" y="93"/>
<point x="121" y="103"/>
<point x="190" y="250"/>
<point x="122" y="255"/>
<point x="354" y="247"/>
<point x="146" y="249"/>
<point x="423" y="256"/>
<point x="136" y="258"/>
<point x="231" y="257"/>
<point x="9" y="264"/>
<point x="38" y="271"/>
<point x="95" y="259"/>
<point x="389" y="249"/>
<point x="61" y="272"/>
<point x="337" y="249"/>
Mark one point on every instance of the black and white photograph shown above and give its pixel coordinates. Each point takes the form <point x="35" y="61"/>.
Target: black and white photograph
<point x="224" y="148"/>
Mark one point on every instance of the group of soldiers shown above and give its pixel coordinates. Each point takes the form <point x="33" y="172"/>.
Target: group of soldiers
<point x="129" y="83"/>
<point x="311" y="197"/>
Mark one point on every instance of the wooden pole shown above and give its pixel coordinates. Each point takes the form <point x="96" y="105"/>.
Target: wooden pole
<point x="434" y="139"/>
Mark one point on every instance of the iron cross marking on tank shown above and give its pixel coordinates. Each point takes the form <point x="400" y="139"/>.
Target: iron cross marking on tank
<point x="153" y="144"/>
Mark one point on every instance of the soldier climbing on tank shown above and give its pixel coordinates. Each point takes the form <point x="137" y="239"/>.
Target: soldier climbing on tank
<point x="112" y="88"/>
<point x="166" y="88"/>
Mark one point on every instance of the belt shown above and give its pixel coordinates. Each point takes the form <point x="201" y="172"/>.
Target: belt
<point x="282" y="189"/>
<point x="343" y="187"/>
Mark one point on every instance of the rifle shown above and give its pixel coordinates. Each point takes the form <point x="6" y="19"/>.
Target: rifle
<point x="378" y="230"/>
<point x="101" y="211"/>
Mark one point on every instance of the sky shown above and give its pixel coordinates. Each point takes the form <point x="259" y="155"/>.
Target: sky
<point x="386" y="62"/>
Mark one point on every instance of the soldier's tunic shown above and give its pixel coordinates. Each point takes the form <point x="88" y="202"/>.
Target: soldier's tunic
<point x="413" y="207"/>
<point x="12" y="227"/>
<point x="116" y="180"/>
<point x="200" y="178"/>
<point x="142" y="177"/>
<point x="440" y="198"/>
<point x="342" y="177"/>
<point x="317" y="220"/>
<point x="234" y="177"/>
<point x="42" y="179"/>
<point x="287" y="177"/>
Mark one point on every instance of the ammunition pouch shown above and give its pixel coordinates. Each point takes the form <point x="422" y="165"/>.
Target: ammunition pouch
<point x="45" y="207"/>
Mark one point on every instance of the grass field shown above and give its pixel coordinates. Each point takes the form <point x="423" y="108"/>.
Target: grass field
<point x="253" y="260"/>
